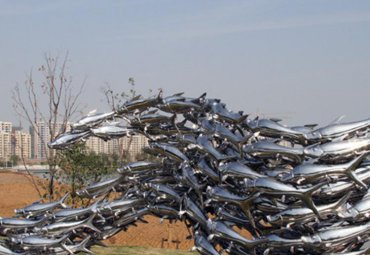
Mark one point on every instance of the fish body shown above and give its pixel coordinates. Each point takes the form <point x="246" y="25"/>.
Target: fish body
<point x="269" y="150"/>
<point x="139" y="105"/>
<point x="98" y="188"/>
<point x="313" y="172"/>
<point x="273" y="129"/>
<point x="271" y="186"/>
<point x="92" y="121"/>
<point x="64" y="227"/>
<point x="71" y="213"/>
<point x="204" y="167"/>
<point x="219" y="112"/>
<point x="16" y="223"/>
<point x="41" y="208"/>
<point x="336" y="130"/>
<point x="339" y="150"/>
<point x="112" y="131"/>
<point x="169" y="150"/>
<point x="139" y="166"/>
<point x="302" y="214"/>
<point x="220" y="230"/>
<point x="166" y="191"/>
<point x="236" y="169"/>
<point x="203" y="246"/>
<point x="64" y="140"/>
<point x="204" y="144"/>
<point x="194" y="212"/>
<point x="6" y="251"/>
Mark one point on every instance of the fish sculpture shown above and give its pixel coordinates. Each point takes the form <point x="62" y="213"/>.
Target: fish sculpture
<point x="300" y="189"/>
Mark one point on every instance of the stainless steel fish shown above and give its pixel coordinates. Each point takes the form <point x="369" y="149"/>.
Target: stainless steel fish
<point x="37" y="209"/>
<point x="67" y="139"/>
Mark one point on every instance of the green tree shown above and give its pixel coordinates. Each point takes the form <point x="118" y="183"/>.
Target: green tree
<point x="81" y="166"/>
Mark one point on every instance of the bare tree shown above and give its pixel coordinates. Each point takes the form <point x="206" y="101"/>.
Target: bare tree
<point x="53" y="100"/>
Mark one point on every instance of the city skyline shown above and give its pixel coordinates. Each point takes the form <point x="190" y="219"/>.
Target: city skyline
<point x="32" y="145"/>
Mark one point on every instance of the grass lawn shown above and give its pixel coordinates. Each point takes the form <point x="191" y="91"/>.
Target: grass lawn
<point x="133" y="250"/>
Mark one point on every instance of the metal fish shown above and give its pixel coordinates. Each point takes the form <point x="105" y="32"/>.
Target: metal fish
<point x="169" y="151"/>
<point x="67" y="139"/>
<point x="236" y="169"/>
<point x="112" y="131"/>
<point x="64" y="227"/>
<point x="336" y="130"/>
<point x="220" y="230"/>
<point x="270" y="186"/>
<point x="203" y="246"/>
<point x="301" y="214"/>
<point x="315" y="171"/>
<point x="92" y="120"/>
<point x="340" y="150"/>
<point x="269" y="150"/>
<point x="139" y="104"/>
<point x="271" y="128"/>
<point x="41" y="208"/>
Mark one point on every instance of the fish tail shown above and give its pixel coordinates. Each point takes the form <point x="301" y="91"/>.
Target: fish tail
<point x="82" y="245"/>
<point x="67" y="249"/>
<point x="245" y="206"/>
<point x="63" y="199"/>
<point x="352" y="165"/>
<point x="89" y="223"/>
<point x="63" y="238"/>
<point x="341" y="202"/>
<point x="307" y="197"/>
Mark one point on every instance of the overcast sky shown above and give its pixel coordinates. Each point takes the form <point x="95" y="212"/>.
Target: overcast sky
<point x="302" y="61"/>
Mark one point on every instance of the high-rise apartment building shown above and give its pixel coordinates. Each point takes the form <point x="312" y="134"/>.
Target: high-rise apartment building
<point x="5" y="145"/>
<point x="40" y="136"/>
<point x="6" y="126"/>
<point x="131" y="145"/>
<point x="21" y="144"/>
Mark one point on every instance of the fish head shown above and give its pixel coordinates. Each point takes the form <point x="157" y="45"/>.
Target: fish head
<point x="313" y="151"/>
<point x="19" y="211"/>
<point x="57" y="143"/>
<point x="313" y="136"/>
<point x="272" y="218"/>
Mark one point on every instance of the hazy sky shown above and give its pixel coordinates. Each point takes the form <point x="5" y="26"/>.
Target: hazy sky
<point x="303" y="61"/>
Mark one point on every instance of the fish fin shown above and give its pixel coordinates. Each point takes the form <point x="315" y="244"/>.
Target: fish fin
<point x="245" y="206"/>
<point x="178" y="94"/>
<point x="67" y="249"/>
<point x="311" y="126"/>
<point x="341" y="202"/>
<point x="242" y="118"/>
<point x="136" y="97"/>
<point x="82" y="245"/>
<point x="337" y="120"/>
<point x="64" y="238"/>
<point x="352" y="165"/>
<point x="63" y="199"/>
<point x="307" y="197"/>
<point x="91" y="112"/>
<point x="275" y="120"/>
<point x="89" y="223"/>
<point x="200" y="99"/>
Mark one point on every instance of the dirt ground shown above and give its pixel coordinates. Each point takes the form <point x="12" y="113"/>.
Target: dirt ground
<point x="16" y="191"/>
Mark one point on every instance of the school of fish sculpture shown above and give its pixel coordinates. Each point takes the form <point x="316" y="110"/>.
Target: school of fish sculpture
<point x="296" y="190"/>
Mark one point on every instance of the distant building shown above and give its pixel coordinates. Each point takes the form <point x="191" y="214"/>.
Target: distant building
<point x="5" y="145"/>
<point x="131" y="145"/>
<point x="21" y="144"/>
<point x="6" y="126"/>
<point x="40" y="136"/>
